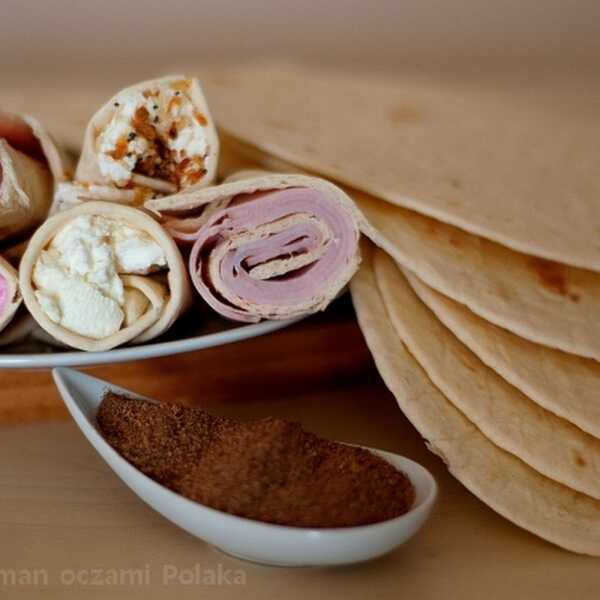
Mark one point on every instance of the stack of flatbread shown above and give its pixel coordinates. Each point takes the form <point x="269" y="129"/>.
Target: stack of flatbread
<point x="479" y="292"/>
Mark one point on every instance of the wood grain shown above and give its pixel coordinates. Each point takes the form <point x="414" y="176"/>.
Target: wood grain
<point x="312" y="354"/>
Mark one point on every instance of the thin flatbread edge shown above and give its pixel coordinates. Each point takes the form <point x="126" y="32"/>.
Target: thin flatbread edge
<point x="564" y="384"/>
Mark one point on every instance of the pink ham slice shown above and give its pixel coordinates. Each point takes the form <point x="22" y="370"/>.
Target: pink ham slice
<point x="4" y="292"/>
<point x="272" y="254"/>
<point x="10" y="299"/>
<point x="20" y="136"/>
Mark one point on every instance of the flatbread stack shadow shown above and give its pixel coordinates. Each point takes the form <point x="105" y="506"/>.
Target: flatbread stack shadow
<point x="479" y="291"/>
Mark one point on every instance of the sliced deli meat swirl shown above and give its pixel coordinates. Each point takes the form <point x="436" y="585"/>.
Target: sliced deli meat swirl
<point x="10" y="299"/>
<point x="266" y="246"/>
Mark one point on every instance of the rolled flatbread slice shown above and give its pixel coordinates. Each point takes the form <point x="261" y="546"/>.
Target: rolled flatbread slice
<point x="153" y="138"/>
<point x="100" y="275"/>
<point x="58" y="161"/>
<point x="280" y="246"/>
<point x="10" y="298"/>
<point x="30" y="164"/>
<point x="506" y="484"/>
<point x="547" y="443"/>
<point x="567" y="385"/>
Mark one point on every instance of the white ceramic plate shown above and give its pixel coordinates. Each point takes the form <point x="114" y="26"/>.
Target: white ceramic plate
<point x="245" y="538"/>
<point x="196" y="330"/>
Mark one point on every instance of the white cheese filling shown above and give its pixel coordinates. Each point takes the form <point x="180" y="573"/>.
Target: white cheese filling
<point x="179" y="127"/>
<point x="77" y="276"/>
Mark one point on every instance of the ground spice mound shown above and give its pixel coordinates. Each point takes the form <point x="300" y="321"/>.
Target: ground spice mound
<point x="269" y="470"/>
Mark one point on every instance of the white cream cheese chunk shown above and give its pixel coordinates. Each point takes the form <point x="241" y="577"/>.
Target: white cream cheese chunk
<point x="159" y="126"/>
<point x="77" y="276"/>
<point x="74" y="304"/>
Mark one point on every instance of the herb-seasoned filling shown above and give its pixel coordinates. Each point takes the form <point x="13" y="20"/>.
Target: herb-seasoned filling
<point x="156" y="138"/>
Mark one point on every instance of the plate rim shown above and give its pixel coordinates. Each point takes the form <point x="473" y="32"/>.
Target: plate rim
<point x="79" y="358"/>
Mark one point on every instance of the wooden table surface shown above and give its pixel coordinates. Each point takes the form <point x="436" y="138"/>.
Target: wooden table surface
<point x="68" y="525"/>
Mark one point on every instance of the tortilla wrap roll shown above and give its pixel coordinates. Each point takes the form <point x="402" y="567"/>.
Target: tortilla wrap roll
<point x="10" y="298"/>
<point x="153" y="138"/>
<point x="101" y="275"/>
<point x="266" y="246"/>
<point x="30" y="164"/>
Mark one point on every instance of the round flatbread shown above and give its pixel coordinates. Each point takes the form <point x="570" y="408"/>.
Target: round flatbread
<point x="567" y="385"/>
<point x="547" y="443"/>
<point x="505" y="483"/>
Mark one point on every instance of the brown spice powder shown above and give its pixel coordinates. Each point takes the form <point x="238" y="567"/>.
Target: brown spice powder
<point x="270" y="470"/>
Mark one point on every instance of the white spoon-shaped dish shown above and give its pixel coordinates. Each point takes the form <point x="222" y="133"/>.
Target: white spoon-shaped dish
<point x="244" y="538"/>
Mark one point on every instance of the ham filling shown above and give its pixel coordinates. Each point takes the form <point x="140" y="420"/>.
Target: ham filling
<point x="273" y="254"/>
<point x="20" y="136"/>
<point x="4" y="293"/>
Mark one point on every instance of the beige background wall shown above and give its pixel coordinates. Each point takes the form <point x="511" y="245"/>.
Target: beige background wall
<point x="57" y="35"/>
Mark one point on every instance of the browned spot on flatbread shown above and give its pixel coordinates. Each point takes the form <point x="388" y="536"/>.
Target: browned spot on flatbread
<point x="455" y="182"/>
<point x="280" y="124"/>
<point x="553" y="276"/>
<point x="433" y="226"/>
<point x="406" y="114"/>
<point x="454" y="203"/>
<point x="579" y="460"/>
<point x="455" y="239"/>
<point x="453" y="236"/>
<point x="468" y="361"/>
<point x="503" y="293"/>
